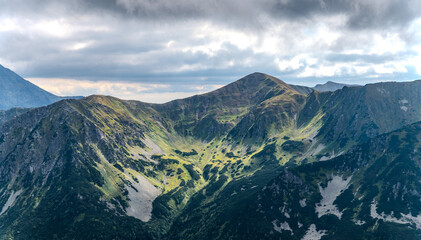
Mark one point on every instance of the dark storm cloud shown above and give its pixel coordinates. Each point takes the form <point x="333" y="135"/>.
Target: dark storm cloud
<point x="384" y="14"/>
<point x="361" y="14"/>
<point x="190" y="44"/>
<point x="161" y="69"/>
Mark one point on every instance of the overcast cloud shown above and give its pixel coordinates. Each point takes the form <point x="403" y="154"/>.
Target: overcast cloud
<point x="158" y="50"/>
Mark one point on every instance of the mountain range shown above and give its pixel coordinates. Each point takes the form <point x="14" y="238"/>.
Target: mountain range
<point x="256" y="159"/>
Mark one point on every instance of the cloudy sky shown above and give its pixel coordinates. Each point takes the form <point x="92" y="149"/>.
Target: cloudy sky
<point x="158" y="50"/>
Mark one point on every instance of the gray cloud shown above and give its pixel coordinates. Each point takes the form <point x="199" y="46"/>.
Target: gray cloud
<point x="361" y="14"/>
<point x="190" y="45"/>
<point x="384" y="14"/>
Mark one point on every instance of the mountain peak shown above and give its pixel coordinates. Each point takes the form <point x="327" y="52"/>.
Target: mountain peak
<point x="256" y="74"/>
<point x="254" y="83"/>
<point x="253" y="87"/>
<point x="258" y="77"/>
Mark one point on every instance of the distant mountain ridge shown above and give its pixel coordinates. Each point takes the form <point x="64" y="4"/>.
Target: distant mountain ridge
<point x="18" y="92"/>
<point x="332" y="86"/>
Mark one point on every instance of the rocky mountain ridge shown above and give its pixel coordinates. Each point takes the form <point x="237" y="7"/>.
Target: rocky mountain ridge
<point x="105" y="168"/>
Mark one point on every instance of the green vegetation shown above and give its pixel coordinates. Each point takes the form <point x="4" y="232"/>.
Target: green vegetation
<point x="229" y="164"/>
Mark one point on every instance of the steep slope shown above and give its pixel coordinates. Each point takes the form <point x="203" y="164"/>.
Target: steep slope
<point x="354" y="114"/>
<point x="105" y="168"/>
<point x="210" y="115"/>
<point x="371" y="192"/>
<point x="103" y="163"/>
<point x="17" y="92"/>
<point x="332" y="86"/>
<point x="85" y="164"/>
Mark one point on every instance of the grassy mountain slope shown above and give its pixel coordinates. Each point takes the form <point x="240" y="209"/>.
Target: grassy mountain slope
<point x="118" y="157"/>
<point x="371" y="192"/>
<point x="355" y="114"/>
<point x="213" y="114"/>
<point x="130" y="170"/>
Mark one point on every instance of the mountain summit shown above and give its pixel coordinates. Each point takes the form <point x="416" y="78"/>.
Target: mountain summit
<point x="17" y="92"/>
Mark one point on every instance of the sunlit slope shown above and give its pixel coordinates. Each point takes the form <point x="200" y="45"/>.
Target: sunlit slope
<point x="371" y="192"/>
<point x="119" y="156"/>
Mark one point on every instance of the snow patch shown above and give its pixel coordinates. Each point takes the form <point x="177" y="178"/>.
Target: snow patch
<point x="10" y="201"/>
<point x="383" y="91"/>
<point x="313" y="234"/>
<point x="283" y="226"/>
<point x="303" y="202"/>
<point x="405" y="218"/>
<point x="333" y="189"/>
<point x="140" y="201"/>
<point x="359" y="222"/>
<point x="403" y="102"/>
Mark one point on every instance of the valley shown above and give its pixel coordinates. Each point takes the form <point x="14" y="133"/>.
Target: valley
<point x="256" y="159"/>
